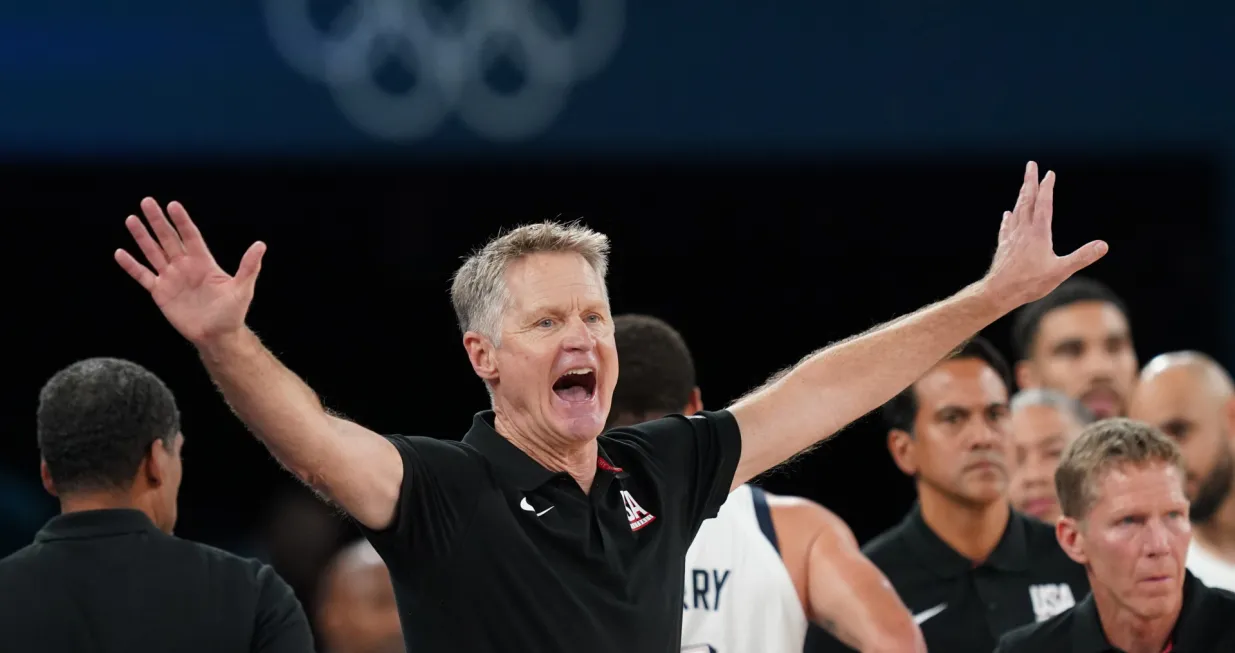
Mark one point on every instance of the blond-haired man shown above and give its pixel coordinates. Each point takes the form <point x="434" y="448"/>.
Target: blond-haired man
<point x="536" y="533"/>
<point x="1125" y="517"/>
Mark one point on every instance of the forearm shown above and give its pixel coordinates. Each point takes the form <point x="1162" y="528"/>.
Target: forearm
<point x="864" y="612"/>
<point x="837" y="385"/>
<point x="277" y="406"/>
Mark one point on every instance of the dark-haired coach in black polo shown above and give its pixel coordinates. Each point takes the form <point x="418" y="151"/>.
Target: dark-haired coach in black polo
<point x="968" y="566"/>
<point x="536" y="533"/>
<point x="107" y="575"/>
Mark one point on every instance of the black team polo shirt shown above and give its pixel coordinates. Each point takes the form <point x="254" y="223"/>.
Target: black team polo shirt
<point x="963" y="608"/>
<point x="490" y="552"/>
<point x="1206" y="625"/>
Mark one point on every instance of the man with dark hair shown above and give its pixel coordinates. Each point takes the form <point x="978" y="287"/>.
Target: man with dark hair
<point x="1191" y="398"/>
<point x="106" y="574"/>
<point x="967" y="565"/>
<point x="1077" y="340"/>
<point x="766" y="565"/>
<point x="1125" y="518"/>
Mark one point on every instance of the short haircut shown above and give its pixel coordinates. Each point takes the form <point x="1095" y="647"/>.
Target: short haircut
<point x="1052" y="399"/>
<point x="902" y="410"/>
<point x="1028" y="320"/>
<point x="1101" y="447"/>
<point x="478" y="289"/>
<point x="657" y="372"/>
<point x="97" y="419"/>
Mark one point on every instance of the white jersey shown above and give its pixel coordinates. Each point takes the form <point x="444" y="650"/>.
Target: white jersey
<point x="1212" y="570"/>
<point x="738" y="596"/>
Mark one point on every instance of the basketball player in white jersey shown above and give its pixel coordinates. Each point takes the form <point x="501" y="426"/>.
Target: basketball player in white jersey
<point x="1191" y="398"/>
<point x="766" y="566"/>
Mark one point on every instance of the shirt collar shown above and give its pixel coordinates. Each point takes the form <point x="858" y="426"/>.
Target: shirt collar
<point x="95" y="523"/>
<point x="1010" y="553"/>
<point x="1088" y="636"/>
<point x="519" y="468"/>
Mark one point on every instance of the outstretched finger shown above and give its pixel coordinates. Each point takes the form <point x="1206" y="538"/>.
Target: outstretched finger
<point x="1044" y="208"/>
<point x="1085" y="256"/>
<point x="1023" y="210"/>
<point x="154" y="253"/>
<point x="136" y="270"/>
<point x="194" y="244"/>
<point x="251" y="263"/>
<point x="168" y="238"/>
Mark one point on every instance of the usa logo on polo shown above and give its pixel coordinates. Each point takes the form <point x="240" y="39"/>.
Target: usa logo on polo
<point x="1050" y="599"/>
<point x="635" y="514"/>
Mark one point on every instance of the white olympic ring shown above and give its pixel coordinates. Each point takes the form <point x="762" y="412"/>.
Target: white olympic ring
<point x="449" y="53"/>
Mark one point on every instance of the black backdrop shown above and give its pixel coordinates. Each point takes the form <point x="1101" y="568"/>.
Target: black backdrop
<point x="757" y="263"/>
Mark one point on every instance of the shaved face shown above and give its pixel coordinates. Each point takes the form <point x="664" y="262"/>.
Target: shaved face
<point x="358" y="613"/>
<point x="1189" y="397"/>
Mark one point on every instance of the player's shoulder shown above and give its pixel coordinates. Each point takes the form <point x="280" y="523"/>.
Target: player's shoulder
<point x="1037" y="637"/>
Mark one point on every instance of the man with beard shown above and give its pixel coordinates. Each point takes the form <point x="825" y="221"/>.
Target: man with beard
<point x="968" y="566"/>
<point x="1044" y="423"/>
<point x="1077" y="340"/>
<point x="1191" y="398"/>
<point x="356" y="610"/>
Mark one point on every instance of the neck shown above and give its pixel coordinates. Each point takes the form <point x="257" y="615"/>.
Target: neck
<point x="1130" y="632"/>
<point x="1218" y="533"/>
<point x="101" y="501"/>
<point x="972" y="530"/>
<point x="575" y="458"/>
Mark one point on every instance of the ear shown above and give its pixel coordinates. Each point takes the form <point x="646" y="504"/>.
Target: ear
<point x="482" y="354"/>
<point x="48" y="484"/>
<point x="1071" y="539"/>
<point x="1228" y="412"/>
<point x="154" y="464"/>
<point x="1026" y="375"/>
<point x="904" y="451"/>
<point x="695" y="403"/>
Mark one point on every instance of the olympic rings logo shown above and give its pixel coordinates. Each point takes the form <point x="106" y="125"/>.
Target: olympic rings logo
<point x="449" y="53"/>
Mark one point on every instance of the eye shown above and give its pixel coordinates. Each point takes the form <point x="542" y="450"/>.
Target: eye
<point x="593" y="318"/>
<point x="546" y="323"/>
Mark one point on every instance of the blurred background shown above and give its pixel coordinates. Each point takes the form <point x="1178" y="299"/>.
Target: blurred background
<point x="774" y="176"/>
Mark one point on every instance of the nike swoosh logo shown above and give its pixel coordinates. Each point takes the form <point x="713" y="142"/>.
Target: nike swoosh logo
<point x="921" y="617"/>
<point x="528" y="507"/>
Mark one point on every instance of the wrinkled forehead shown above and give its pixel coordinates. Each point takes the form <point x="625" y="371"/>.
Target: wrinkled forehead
<point x="553" y="281"/>
<point x="1129" y="486"/>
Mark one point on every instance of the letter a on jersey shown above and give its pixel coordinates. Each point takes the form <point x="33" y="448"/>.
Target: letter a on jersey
<point x="635" y="514"/>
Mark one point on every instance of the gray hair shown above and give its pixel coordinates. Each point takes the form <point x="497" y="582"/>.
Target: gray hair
<point x="478" y="289"/>
<point x="1052" y="399"/>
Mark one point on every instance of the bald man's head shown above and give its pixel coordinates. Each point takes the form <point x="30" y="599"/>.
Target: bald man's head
<point x="356" y="610"/>
<point x="1192" y="399"/>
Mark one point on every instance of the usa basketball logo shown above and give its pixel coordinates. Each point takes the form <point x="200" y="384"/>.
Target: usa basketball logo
<point x="635" y="514"/>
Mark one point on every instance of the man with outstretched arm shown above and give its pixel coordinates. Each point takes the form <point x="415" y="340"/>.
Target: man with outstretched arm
<point x="535" y="532"/>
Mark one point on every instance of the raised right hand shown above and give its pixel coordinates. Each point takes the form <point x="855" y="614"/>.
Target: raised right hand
<point x="196" y="296"/>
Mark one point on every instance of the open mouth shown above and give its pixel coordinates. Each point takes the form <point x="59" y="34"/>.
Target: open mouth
<point x="576" y="385"/>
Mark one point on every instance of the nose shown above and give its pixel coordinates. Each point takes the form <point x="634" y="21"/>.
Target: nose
<point x="985" y="435"/>
<point x="1099" y="363"/>
<point x="1157" y="539"/>
<point x="578" y="337"/>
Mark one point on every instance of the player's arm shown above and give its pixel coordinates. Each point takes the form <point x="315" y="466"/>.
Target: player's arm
<point x="354" y="467"/>
<point x="840" y="383"/>
<point x="848" y="595"/>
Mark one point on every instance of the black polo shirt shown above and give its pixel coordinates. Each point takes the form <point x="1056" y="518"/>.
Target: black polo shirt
<point x="1206" y="625"/>
<point x="489" y="551"/>
<point x="109" y="580"/>
<point x="962" y="608"/>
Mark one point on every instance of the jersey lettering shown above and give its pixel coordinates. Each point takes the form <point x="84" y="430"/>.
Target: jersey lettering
<point x="704" y="590"/>
<point x="1050" y="599"/>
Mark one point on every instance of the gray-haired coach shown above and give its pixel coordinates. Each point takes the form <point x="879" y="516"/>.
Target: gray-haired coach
<point x="536" y="533"/>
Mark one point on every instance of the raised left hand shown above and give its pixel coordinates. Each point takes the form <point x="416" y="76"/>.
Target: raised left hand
<point x="1025" y="267"/>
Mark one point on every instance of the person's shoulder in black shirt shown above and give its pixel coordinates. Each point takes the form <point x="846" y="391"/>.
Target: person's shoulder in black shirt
<point x="106" y="574"/>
